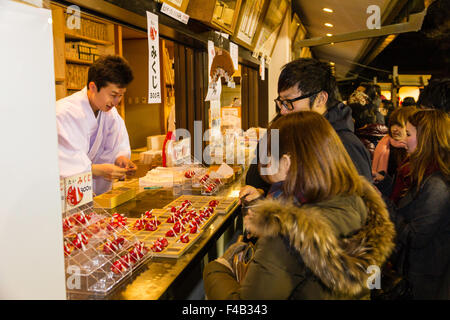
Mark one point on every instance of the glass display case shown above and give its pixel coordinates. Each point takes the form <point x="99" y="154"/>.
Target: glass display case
<point x="99" y="250"/>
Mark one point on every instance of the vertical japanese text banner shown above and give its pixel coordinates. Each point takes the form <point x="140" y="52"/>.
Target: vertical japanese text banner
<point x="154" y="84"/>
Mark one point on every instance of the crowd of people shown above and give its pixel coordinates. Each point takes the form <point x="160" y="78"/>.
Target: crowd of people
<point x="355" y="187"/>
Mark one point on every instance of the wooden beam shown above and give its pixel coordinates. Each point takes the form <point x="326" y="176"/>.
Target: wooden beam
<point x="168" y="27"/>
<point x="414" y="24"/>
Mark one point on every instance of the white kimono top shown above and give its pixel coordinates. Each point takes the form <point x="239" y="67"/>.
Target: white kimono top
<point x="84" y="140"/>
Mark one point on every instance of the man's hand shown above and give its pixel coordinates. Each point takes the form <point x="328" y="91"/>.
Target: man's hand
<point x="124" y="162"/>
<point x="249" y="193"/>
<point x="108" y="171"/>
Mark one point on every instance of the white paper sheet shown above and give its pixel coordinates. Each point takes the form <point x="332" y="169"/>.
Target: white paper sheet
<point x="31" y="238"/>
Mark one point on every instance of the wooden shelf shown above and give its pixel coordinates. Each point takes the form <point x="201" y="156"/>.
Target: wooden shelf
<point x="73" y="36"/>
<point x="64" y="62"/>
<point x="72" y="88"/>
<point x="78" y="61"/>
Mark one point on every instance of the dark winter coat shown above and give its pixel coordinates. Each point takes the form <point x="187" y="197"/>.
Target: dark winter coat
<point x="340" y="117"/>
<point x="423" y="224"/>
<point x="316" y="251"/>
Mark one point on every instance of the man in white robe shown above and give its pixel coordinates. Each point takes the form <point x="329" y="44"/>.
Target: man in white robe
<point x="91" y="133"/>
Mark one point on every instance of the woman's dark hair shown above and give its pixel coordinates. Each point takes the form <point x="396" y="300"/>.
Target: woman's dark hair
<point x="362" y="115"/>
<point x="309" y="75"/>
<point x="408" y="101"/>
<point x="389" y="106"/>
<point x="110" y="69"/>
<point x="372" y="90"/>
<point x="436" y="95"/>
<point x="400" y="116"/>
<point x="433" y="144"/>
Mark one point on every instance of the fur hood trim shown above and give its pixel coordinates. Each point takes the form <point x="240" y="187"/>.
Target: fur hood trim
<point x="341" y="264"/>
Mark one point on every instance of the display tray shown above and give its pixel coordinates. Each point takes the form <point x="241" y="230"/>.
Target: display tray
<point x="175" y="248"/>
<point x="181" y="228"/>
<point x="225" y="203"/>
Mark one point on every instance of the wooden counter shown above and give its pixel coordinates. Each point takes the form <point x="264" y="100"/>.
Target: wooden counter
<point x="167" y="278"/>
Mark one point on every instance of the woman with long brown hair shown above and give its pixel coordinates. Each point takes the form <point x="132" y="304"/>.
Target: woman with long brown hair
<point x="321" y="232"/>
<point x="390" y="152"/>
<point x="422" y="217"/>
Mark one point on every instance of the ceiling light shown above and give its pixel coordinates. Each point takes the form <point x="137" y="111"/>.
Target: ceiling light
<point x="329" y="25"/>
<point x="329" y="35"/>
<point x="327" y="10"/>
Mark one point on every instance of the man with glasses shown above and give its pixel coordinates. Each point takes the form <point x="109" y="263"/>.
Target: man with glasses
<point x="308" y="84"/>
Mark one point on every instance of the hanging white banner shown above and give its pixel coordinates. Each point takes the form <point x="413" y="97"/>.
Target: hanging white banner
<point x="154" y="74"/>
<point x="214" y="88"/>
<point x="234" y="53"/>
<point x="211" y="55"/>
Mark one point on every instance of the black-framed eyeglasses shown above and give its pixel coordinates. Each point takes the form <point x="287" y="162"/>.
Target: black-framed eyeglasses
<point x="288" y="103"/>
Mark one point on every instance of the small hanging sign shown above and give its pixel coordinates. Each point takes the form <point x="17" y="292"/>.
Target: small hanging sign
<point x="174" y="13"/>
<point x="214" y="90"/>
<point x="211" y="55"/>
<point x="154" y="75"/>
<point x="234" y="53"/>
<point x="262" y="69"/>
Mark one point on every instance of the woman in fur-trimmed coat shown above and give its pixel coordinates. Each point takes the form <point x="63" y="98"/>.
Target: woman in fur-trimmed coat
<point x="318" y="239"/>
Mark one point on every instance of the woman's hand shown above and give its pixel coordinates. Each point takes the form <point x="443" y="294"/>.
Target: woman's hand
<point x="249" y="193"/>
<point x="377" y="176"/>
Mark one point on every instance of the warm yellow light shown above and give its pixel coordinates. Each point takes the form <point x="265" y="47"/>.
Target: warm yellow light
<point x="329" y="34"/>
<point x="407" y="91"/>
<point x="234" y="194"/>
<point x="329" y="25"/>
<point x="327" y="10"/>
<point x="332" y="63"/>
<point x="386" y="94"/>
